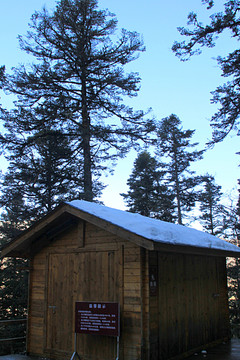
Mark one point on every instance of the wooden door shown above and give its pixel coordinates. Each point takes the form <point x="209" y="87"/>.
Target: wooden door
<point x="59" y="307"/>
<point x="84" y="276"/>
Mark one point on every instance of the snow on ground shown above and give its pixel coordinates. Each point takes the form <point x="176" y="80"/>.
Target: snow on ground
<point x="153" y="229"/>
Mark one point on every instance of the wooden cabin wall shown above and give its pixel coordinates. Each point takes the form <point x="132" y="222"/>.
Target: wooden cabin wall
<point x="97" y="266"/>
<point x="192" y="305"/>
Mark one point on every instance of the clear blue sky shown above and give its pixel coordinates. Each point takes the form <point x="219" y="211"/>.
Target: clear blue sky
<point x="168" y="85"/>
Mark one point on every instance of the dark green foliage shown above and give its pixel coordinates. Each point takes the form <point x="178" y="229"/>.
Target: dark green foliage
<point x="211" y="209"/>
<point x="13" y="290"/>
<point x="174" y="144"/>
<point x="148" y="195"/>
<point x="233" y="271"/>
<point x="200" y="35"/>
<point x="13" y="272"/>
<point x="13" y="298"/>
<point x="231" y="232"/>
<point x="40" y="176"/>
<point x="13" y="303"/>
<point x="77" y="87"/>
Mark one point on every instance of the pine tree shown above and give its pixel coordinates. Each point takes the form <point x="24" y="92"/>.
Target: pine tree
<point x="210" y="206"/>
<point x="13" y="275"/>
<point x="40" y="177"/>
<point x="148" y="195"/>
<point x="199" y="35"/>
<point x="14" y="288"/>
<point x="77" y="85"/>
<point x="174" y="144"/>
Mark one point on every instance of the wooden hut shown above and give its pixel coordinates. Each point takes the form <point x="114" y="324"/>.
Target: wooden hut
<point x="169" y="280"/>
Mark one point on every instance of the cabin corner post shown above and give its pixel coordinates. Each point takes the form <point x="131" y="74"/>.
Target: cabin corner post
<point x="131" y="334"/>
<point x="153" y="289"/>
<point x="226" y="300"/>
<point x="145" y="347"/>
<point x="28" y="305"/>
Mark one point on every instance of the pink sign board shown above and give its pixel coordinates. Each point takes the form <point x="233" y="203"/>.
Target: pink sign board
<point x="97" y="318"/>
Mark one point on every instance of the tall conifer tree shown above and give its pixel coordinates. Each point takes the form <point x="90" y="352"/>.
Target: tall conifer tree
<point x="77" y="85"/>
<point x="174" y="144"/>
<point x="148" y="195"/>
<point x="210" y="206"/>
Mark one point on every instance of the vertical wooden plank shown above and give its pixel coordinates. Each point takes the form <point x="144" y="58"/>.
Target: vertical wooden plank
<point x="80" y="238"/>
<point x="131" y="332"/>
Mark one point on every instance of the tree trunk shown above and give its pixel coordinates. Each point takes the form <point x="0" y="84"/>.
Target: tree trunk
<point x="87" y="168"/>
<point x="177" y="190"/>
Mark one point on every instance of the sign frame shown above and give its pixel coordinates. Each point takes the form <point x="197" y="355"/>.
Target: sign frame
<point x="97" y="318"/>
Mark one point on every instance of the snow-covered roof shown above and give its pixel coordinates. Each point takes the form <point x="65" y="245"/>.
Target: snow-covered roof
<point x="152" y="234"/>
<point x="153" y="229"/>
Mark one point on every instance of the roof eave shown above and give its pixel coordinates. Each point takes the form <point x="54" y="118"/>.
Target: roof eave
<point x="16" y="248"/>
<point x="194" y="250"/>
<point x="13" y="248"/>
